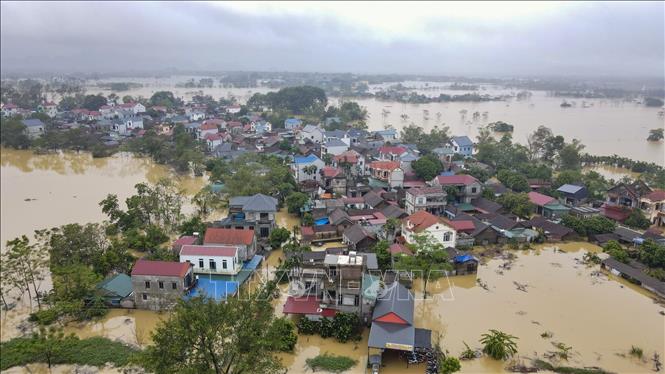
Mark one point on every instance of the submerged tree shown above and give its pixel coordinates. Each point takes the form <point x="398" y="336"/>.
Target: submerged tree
<point x="499" y="345"/>
<point x="429" y="261"/>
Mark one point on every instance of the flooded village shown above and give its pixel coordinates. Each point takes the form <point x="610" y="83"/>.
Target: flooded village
<point x="361" y="188"/>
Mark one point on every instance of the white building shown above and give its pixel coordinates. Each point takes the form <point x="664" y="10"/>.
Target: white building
<point x="233" y="109"/>
<point x="311" y="132"/>
<point x="424" y="223"/>
<point x="334" y="147"/>
<point x="212" y="259"/>
<point x="306" y="167"/>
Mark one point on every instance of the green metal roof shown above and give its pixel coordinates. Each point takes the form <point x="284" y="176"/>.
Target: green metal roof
<point x="465" y="207"/>
<point x="556" y="206"/>
<point x="119" y="285"/>
<point x="375" y="183"/>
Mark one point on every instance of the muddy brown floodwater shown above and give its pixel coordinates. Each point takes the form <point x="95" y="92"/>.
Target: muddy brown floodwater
<point x="600" y="316"/>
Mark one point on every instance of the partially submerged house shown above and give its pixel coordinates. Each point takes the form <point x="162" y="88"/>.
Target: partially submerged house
<point x="212" y="259"/>
<point x="547" y="206"/>
<point x="244" y="240"/>
<point x="572" y="194"/>
<point x="634" y="272"/>
<point x="158" y="285"/>
<point x="424" y="223"/>
<point x="256" y="213"/>
<point x="116" y="291"/>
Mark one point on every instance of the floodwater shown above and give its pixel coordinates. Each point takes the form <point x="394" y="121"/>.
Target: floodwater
<point x="600" y="316"/>
<point x="605" y="126"/>
<point x="44" y="191"/>
<point x="612" y="172"/>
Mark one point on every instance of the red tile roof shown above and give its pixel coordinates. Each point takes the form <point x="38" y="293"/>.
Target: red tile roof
<point x="616" y="213"/>
<point x="330" y="172"/>
<point x="540" y="199"/>
<point x="208" y="250"/>
<point x="462" y="225"/>
<point x="384" y="165"/>
<point x="208" y="126"/>
<point x="228" y="236"/>
<point x="424" y="191"/>
<point x="161" y="268"/>
<point x="396" y="150"/>
<point x="422" y="220"/>
<point x="306" y="305"/>
<point x="213" y="137"/>
<point x="185" y="240"/>
<point x="349" y="156"/>
<point x="456" y="179"/>
<point x="399" y="248"/>
<point x="656" y="195"/>
<point x="307" y="230"/>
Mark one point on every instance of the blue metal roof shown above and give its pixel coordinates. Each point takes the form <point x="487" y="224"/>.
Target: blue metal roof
<point x="463" y="258"/>
<point x="569" y="188"/>
<point x="462" y="141"/>
<point x="305" y="159"/>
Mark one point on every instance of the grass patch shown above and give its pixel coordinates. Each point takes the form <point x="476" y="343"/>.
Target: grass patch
<point x="332" y="363"/>
<point x="544" y="365"/>
<point x="636" y="351"/>
<point x="95" y="351"/>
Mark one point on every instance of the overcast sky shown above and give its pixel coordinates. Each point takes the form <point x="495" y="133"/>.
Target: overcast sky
<point x="482" y="39"/>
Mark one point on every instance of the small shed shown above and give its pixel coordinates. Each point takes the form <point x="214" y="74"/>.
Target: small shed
<point x="115" y="289"/>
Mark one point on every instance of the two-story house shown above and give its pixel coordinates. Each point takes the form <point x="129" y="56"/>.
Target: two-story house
<point x="306" y="167"/>
<point x="351" y="162"/>
<point x="333" y="180"/>
<point x="255" y="213"/>
<point x="391" y="153"/>
<point x="311" y="133"/>
<point x="388" y="172"/>
<point x="326" y="283"/>
<point x="653" y="206"/>
<point x="627" y="195"/>
<point x="425" y="223"/>
<point x="34" y="127"/>
<point x="431" y="199"/>
<point x="158" y="285"/>
<point x="462" y="145"/>
<point x="465" y="187"/>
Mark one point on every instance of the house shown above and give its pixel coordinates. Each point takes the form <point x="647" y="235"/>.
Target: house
<point x="583" y="211"/>
<point x="196" y="115"/>
<point x="10" y="110"/>
<point x="482" y="233"/>
<point x="184" y="240"/>
<point x="334" y="147"/>
<point x="462" y="145"/>
<point x="213" y="141"/>
<point x="485" y="206"/>
<point x="627" y="195"/>
<point x="328" y="283"/>
<point x="445" y="153"/>
<point x="465" y="187"/>
<point x="135" y="108"/>
<point x="572" y="194"/>
<point x="358" y="238"/>
<point x="462" y="263"/>
<point x="424" y="223"/>
<point x="634" y="272"/>
<point x="158" y="285"/>
<point x="256" y="213"/>
<point x="34" y="127"/>
<point x="350" y="161"/>
<point x="391" y="153"/>
<point x="333" y="180"/>
<point x="547" y="206"/>
<point x="292" y="123"/>
<point x="653" y="206"/>
<point x="212" y="259"/>
<point x="244" y="240"/>
<point x="431" y="199"/>
<point x="206" y="128"/>
<point x="387" y="135"/>
<point x="552" y="231"/>
<point x="388" y="172"/>
<point x="306" y="167"/>
<point x="49" y="108"/>
<point x="405" y="161"/>
<point x="393" y="324"/>
<point x="312" y="133"/>
<point x="116" y="290"/>
<point x="261" y="127"/>
<point x="233" y="109"/>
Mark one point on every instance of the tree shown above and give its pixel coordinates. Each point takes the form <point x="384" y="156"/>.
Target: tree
<point x="614" y="249"/>
<point x="296" y="201"/>
<point x="516" y="203"/>
<point x="653" y="102"/>
<point x="279" y="236"/>
<point x="636" y="219"/>
<point x="206" y="200"/>
<point x="425" y="142"/>
<point x="283" y="335"/>
<point x="204" y="336"/>
<point x="164" y="98"/>
<point x="427" y="167"/>
<point x="430" y="260"/>
<point x="656" y="135"/>
<point x="73" y="286"/>
<point x="652" y="254"/>
<point x="569" y="156"/>
<point x="13" y="134"/>
<point x="449" y="365"/>
<point x="383" y="255"/>
<point x="589" y="226"/>
<point x="94" y="102"/>
<point x="26" y="267"/>
<point x="514" y="180"/>
<point x="193" y="225"/>
<point x="48" y="342"/>
<point x="499" y="345"/>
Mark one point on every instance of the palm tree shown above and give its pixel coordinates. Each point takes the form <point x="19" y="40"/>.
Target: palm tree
<point x="499" y="345"/>
<point x="404" y="117"/>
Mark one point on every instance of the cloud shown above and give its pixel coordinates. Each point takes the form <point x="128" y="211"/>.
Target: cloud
<point x="487" y="39"/>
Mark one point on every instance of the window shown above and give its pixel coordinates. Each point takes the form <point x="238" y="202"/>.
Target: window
<point x="213" y="265"/>
<point x="223" y="264"/>
<point x="356" y="302"/>
<point x="446" y="237"/>
<point x="349" y="300"/>
<point x="201" y="263"/>
<point x="265" y="232"/>
<point x="147" y="285"/>
<point x="474" y="189"/>
<point x="354" y="285"/>
<point x="145" y="296"/>
<point x="264" y="216"/>
<point x="174" y="285"/>
<point x="333" y="271"/>
<point x="161" y="285"/>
